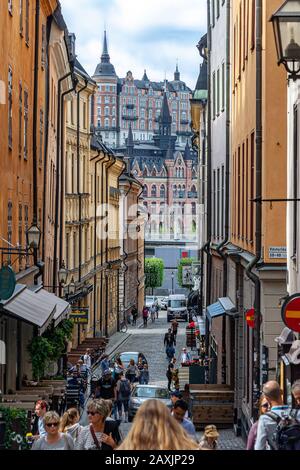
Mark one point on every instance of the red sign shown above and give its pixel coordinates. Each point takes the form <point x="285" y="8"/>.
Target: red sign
<point x="184" y="254"/>
<point x="291" y="313"/>
<point x="250" y="318"/>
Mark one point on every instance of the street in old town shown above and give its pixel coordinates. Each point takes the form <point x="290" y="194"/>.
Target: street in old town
<point x="149" y="229"/>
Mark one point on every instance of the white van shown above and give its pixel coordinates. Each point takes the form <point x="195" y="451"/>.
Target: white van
<point x="177" y="308"/>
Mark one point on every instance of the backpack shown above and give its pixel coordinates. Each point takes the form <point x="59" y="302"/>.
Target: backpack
<point x="287" y="434"/>
<point x="125" y="388"/>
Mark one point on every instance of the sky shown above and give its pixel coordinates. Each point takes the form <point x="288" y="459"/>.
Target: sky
<point x="142" y="34"/>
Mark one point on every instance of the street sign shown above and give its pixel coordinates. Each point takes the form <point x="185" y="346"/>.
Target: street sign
<point x="250" y="318"/>
<point x="277" y="252"/>
<point x="290" y="313"/>
<point x="187" y="276"/>
<point x="7" y="282"/>
<point x="80" y="315"/>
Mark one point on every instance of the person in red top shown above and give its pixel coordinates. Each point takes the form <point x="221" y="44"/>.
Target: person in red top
<point x="145" y="316"/>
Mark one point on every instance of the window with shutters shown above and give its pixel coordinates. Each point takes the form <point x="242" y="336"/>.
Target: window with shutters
<point x="20" y="233"/>
<point x="25" y="124"/>
<point x="9" y="227"/>
<point x="27" y="23"/>
<point x="43" y="56"/>
<point x="20" y="118"/>
<point x="10" y="6"/>
<point x="41" y="136"/>
<point x="21" y="17"/>
<point x="10" y="91"/>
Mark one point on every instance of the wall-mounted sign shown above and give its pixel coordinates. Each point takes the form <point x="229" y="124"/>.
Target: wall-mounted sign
<point x="7" y="282"/>
<point x="277" y="252"/>
<point x="187" y="276"/>
<point x="290" y="312"/>
<point x="80" y="315"/>
<point x="250" y="318"/>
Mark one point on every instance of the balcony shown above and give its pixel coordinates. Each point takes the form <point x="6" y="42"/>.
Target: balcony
<point x="129" y="118"/>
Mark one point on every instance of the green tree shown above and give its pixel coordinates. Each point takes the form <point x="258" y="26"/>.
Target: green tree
<point x="184" y="262"/>
<point x="154" y="272"/>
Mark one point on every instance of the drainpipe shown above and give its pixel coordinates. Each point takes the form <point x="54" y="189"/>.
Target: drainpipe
<point x="95" y="234"/>
<point x="57" y="189"/>
<point x="62" y="170"/>
<point x="78" y="177"/>
<point x="102" y="234"/>
<point x="258" y="219"/>
<point x="49" y="23"/>
<point x="106" y="244"/>
<point x="35" y="118"/>
<point x="209" y="205"/>
<point x="220" y="247"/>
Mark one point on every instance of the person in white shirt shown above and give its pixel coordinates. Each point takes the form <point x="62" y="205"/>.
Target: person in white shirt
<point x="185" y="356"/>
<point x="87" y="359"/>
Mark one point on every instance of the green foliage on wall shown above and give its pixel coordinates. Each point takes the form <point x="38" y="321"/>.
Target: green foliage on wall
<point x="16" y="423"/>
<point x="154" y="272"/>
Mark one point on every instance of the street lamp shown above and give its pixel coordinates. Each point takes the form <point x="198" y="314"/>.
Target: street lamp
<point x="33" y="237"/>
<point x="286" y="25"/>
<point x="62" y="275"/>
<point x="72" y="287"/>
<point x="172" y="276"/>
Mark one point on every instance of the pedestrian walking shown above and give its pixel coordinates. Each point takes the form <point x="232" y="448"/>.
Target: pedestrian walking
<point x="268" y="436"/>
<point x="155" y="429"/>
<point x="132" y="372"/>
<point x="70" y="423"/>
<point x="100" y="434"/>
<point x="296" y="392"/>
<point x="263" y="408"/>
<point x="153" y="313"/>
<point x="39" y="429"/>
<point x="174" y="327"/>
<point x="185" y="358"/>
<point x="140" y="366"/>
<point x="179" y="410"/>
<point x="87" y="360"/>
<point x="107" y="386"/>
<point x="104" y="363"/>
<point x="118" y="367"/>
<point x="157" y="310"/>
<point x="170" y="351"/>
<point x="210" y="439"/>
<point x="169" y="372"/>
<point x="123" y="396"/>
<point x="134" y="313"/>
<point x="145" y="316"/>
<point x="188" y="398"/>
<point x="144" y="375"/>
<point x="169" y="338"/>
<point x="53" y="440"/>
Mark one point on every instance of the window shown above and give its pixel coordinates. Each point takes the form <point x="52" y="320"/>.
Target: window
<point x="223" y="88"/>
<point x="214" y="95"/>
<point x="67" y="250"/>
<point x="218" y="8"/>
<point x="214" y="204"/>
<point x="106" y="99"/>
<point x="163" y="191"/>
<point x="20" y="232"/>
<point x="9" y="227"/>
<point x="20" y="117"/>
<point x="252" y="155"/>
<point x="106" y="123"/>
<point x="44" y="45"/>
<point x="41" y="135"/>
<point x="27" y="22"/>
<point x="10" y="6"/>
<point x="25" y="124"/>
<point x="106" y="111"/>
<point x="10" y="92"/>
<point x="84" y="116"/>
<point x="26" y="227"/>
<point x="222" y="200"/>
<point x="213" y="12"/>
<point x="218" y="92"/>
<point x="253" y="23"/>
<point x="153" y="191"/>
<point x="239" y="210"/>
<point x="21" y="17"/>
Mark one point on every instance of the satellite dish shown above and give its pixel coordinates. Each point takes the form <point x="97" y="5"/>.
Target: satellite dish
<point x="51" y="369"/>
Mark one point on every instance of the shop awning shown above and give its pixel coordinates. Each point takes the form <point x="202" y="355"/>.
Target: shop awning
<point x="223" y="306"/>
<point x="26" y="306"/>
<point x="63" y="308"/>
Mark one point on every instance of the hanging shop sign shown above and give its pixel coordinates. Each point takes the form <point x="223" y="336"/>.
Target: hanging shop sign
<point x="7" y="282"/>
<point x="250" y="318"/>
<point x="187" y="276"/>
<point x="80" y="315"/>
<point x="290" y="313"/>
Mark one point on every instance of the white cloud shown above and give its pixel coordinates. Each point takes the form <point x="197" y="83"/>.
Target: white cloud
<point x="175" y="25"/>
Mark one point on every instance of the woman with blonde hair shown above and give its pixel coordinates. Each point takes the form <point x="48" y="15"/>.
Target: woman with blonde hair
<point x="54" y="439"/>
<point x="154" y="428"/>
<point x="70" y="423"/>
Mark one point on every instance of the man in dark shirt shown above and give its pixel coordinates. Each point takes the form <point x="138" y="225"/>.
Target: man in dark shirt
<point x="169" y="339"/>
<point x="107" y="386"/>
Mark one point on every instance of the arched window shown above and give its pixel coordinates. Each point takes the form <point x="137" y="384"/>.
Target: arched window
<point x="154" y="172"/>
<point x="174" y="190"/>
<point x="182" y="173"/>
<point x="163" y="191"/>
<point x="145" y="172"/>
<point x="154" y="191"/>
<point x="145" y="193"/>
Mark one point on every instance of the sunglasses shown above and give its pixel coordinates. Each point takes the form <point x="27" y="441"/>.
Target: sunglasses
<point x="265" y="405"/>
<point x="52" y="425"/>
<point x="92" y="413"/>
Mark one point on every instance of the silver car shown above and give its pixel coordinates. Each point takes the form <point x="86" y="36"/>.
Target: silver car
<point x="142" y="393"/>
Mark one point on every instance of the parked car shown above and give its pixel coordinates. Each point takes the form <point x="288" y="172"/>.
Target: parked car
<point x="141" y="393"/>
<point x="177" y="308"/>
<point x="164" y="303"/>
<point x="125" y="358"/>
<point x="150" y="300"/>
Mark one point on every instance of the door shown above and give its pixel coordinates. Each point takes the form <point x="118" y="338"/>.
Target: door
<point x="3" y="359"/>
